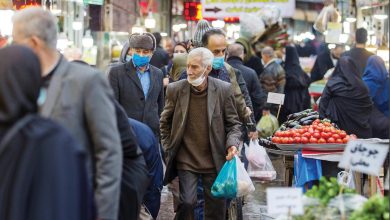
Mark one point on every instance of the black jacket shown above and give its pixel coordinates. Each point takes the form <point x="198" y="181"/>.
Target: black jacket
<point x="256" y="93"/>
<point x="359" y="57"/>
<point x="160" y="58"/>
<point x="128" y="92"/>
<point x="323" y="63"/>
<point x="254" y="63"/>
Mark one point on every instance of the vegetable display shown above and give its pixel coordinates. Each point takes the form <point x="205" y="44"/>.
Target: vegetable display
<point x="318" y="132"/>
<point x="327" y="190"/>
<point x="376" y="207"/>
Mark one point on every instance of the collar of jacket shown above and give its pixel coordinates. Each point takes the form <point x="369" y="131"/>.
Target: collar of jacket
<point x="271" y="61"/>
<point x="235" y="59"/>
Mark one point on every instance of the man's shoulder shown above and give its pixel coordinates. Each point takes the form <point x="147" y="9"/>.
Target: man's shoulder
<point x="82" y="71"/>
<point x="155" y="70"/>
<point x="219" y="83"/>
<point x="178" y="84"/>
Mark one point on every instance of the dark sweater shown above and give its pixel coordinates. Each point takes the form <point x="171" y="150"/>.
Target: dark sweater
<point x="195" y="154"/>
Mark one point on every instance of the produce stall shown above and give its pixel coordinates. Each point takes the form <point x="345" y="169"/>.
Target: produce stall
<point x="303" y="137"/>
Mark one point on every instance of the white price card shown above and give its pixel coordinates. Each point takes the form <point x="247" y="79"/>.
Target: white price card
<point x="364" y="157"/>
<point x="283" y="200"/>
<point x="275" y="98"/>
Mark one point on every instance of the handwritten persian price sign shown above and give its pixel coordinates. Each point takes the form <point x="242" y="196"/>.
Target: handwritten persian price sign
<point x="364" y="157"/>
<point x="275" y="98"/>
<point x="284" y="201"/>
<point x="234" y="8"/>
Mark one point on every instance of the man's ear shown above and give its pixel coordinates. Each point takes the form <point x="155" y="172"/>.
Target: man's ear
<point x="36" y="43"/>
<point x="208" y="69"/>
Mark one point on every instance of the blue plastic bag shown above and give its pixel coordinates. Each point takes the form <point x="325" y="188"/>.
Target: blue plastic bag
<point x="225" y="186"/>
<point x="306" y="170"/>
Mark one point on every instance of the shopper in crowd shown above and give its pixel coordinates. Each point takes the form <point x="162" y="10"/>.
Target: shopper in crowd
<point x="346" y="101"/>
<point x="273" y="78"/>
<point x="135" y="178"/>
<point x="179" y="61"/>
<point x="297" y="83"/>
<point x="197" y="147"/>
<point x="43" y="169"/>
<point x="250" y="59"/>
<point x="138" y="85"/>
<point x="80" y="99"/>
<point x="151" y="152"/>
<point x="167" y="45"/>
<point x="258" y="96"/>
<point x="359" y="54"/>
<point x="376" y="77"/>
<point x="160" y="57"/>
<point x="326" y="61"/>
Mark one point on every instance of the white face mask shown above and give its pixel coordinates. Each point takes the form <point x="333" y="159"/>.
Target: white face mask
<point x="198" y="81"/>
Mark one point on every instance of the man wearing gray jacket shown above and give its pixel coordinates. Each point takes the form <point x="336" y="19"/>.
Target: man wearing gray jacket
<point x="79" y="98"/>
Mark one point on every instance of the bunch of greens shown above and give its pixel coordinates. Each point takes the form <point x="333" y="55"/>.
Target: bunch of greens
<point x="327" y="189"/>
<point x="376" y="207"/>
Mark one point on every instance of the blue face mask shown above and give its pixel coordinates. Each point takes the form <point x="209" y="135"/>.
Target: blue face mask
<point x="140" y="61"/>
<point x="218" y="62"/>
<point x="128" y="58"/>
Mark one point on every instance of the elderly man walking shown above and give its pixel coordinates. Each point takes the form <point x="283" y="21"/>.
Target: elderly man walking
<point x="80" y="99"/>
<point x="199" y="126"/>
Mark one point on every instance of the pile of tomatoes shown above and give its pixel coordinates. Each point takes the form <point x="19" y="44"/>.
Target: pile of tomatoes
<point x="316" y="133"/>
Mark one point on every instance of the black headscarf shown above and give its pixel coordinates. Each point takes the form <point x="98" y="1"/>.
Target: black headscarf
<point x="346" y="100"/>
<point x="20" y="82"/>
<point x="297" y="83"/>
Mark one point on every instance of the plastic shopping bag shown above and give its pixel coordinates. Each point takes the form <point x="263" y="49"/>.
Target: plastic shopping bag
<point x="306" y="170"/>
<point x="346" y="178"/>
<point x="265" y="173"/>
<point x="267" y="125"/>
<point x="232" y="181"/>
<point x="255" y="154"/>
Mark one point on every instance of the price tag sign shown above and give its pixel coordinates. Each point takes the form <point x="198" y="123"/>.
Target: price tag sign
<point x="275" y="98"/>
<point x="364" y="157"/>
<point x="286" y="201"/>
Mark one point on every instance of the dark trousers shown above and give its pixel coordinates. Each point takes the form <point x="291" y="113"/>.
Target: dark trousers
<point x="214" y="208"/>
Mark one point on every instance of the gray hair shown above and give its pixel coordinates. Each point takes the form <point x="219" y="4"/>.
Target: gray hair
<point x="268" y="51"/>
<point x="205" y="54"/>
<point x="37" y="22"/>
<point x="235" y="50"/>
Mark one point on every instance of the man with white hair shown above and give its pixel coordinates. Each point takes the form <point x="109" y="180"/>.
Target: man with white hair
<point x="199" y="126"/>
<point x="79" y="98"/>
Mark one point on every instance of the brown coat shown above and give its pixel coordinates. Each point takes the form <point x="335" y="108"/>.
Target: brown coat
<point x="223" y="120"/>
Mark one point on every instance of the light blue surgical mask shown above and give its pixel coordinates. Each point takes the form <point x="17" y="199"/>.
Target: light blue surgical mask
<point x="140" y="61"/>
<point x="218" y="62"/>
<point x="128" y="58"/>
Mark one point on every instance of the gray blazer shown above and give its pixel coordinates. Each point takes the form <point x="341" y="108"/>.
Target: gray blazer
<point x="128" y="92"/>
<point x="80" y="99"/>
<point x="223" y="121"/>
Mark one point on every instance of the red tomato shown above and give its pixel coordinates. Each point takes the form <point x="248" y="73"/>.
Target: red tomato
<point x="316" y="121"/>
<point x="307" y="135"/>
<point x="301" y="131"/>
<point x="320" y="128"/>
<point x="321" y="141"/>
<point x="339" y="141"/>
<point x="283" y="140"/>
<point x="327" y="124"/>
<point x="345" y="140"/>
<point x="313" y="140"/>
<point x="325" y="135"/>
<point x="331" y="140"/>
<point x="327" y="129"/>
<point x="278" y="134"/>
<point x="290" y="140"/>
<point x="287" y="133"/>
<point x="317" y="135"/>
<point x="275" y="140"/>
<point x="297" y="140"/>
<point x="311" y="130"/>
<point x="304" y="140"/>
<point x="336" y="136"/>
<point x="343" y="134"/>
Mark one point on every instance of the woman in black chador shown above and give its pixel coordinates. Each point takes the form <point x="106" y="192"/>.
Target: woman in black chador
<point x="42" y="168"/>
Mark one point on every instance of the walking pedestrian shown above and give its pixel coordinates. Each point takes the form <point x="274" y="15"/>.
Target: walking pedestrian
<point x="80" y="99"/>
